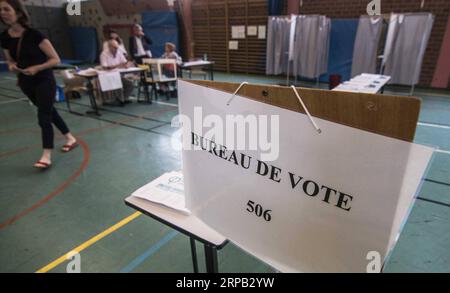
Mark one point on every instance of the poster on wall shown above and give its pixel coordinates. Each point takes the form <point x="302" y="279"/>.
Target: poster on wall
<point x="233" y="45"/>
<point x="238" y="32"/>
<point x="252" y="30"/>
<point x="261" y="32"/>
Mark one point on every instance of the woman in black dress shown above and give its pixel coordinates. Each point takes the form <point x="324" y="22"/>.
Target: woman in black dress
<point x="32" y="56"/>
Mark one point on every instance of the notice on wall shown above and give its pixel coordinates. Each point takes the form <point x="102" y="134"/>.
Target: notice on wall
<point x="233" y="45"/>
<point x="261" y="32"/>
<point x="238" y="32"/>
<point x="252" y="30"/>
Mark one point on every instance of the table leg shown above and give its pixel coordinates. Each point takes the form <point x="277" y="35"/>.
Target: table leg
<point x="211" y="71"/>
<point x="90" y="87"/>
<point x="194" y="255"/>
<point x="148" y="97"/>
<point x="69" y="95"/>
<point x="211" y="259"/>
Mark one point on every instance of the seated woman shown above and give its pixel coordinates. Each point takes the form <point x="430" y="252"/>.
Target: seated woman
<point x="168" y="69"/>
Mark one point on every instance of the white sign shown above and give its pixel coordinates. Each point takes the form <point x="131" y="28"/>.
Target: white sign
<point x="252" y="31"/>
<point x="323" y="205"/>
<point x="238" y="32"/>
<point x="73" y="7"/>
<point x="110" y="81"/>
<point x="233" y="45"/>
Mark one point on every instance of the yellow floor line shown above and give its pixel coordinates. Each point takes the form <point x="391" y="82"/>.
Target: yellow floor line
<point x="88" y="243"/>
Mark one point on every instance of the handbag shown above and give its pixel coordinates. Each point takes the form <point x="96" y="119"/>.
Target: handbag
<point x="19" y="46"/>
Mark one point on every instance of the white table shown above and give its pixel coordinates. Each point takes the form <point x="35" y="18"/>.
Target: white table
<point x="188" y="225"/>
<point x="200" y="64"/>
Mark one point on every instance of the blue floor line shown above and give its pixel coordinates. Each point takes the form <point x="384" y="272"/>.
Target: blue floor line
<point x="152" y="250"/>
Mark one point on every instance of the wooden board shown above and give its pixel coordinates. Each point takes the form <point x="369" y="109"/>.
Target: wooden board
<point x="211" y="23"/>
<point x="392" y="116"/>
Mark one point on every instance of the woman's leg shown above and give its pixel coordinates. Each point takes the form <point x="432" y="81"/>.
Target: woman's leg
<point x="31" y="91"/>
<point x="46" y="95"/>
<point x="62" y="127"/>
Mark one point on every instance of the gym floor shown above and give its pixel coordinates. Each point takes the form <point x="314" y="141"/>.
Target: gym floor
<point x="78" y="203"/>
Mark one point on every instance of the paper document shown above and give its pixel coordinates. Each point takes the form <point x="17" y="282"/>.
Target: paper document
<point x="261" y="31"/>
<point x="88" y="72"/>
<point x="194" y="63"/>
<point x="167" y="190"/>
<point x="233" y="45"/>
<point x="110" y="81"/>
<point x="238" y="32"/>
<point x="252" y="30"/>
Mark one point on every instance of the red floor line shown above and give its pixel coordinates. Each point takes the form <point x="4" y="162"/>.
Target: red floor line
<point x="89" y="130"/>
<point x="58" y="190"/>
<point x="19" y="130"/>
<point x="83" y="166"/>
<point x="17" y="151"/>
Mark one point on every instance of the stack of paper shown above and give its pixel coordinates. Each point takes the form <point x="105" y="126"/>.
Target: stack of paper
<point x="364" y="83"/>
<point x="167" y="190"/>
<point x="88" y="72"/>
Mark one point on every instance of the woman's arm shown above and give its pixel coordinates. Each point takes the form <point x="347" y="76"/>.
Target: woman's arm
<point x="53" y="58"/>
<point x="12" y="66"/>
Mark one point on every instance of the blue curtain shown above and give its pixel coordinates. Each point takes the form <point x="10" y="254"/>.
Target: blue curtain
<point x="340" y="55"/>
<point x="161" y="27"/>
<point x="275" y="6"/>
<point x="84" y="42"/>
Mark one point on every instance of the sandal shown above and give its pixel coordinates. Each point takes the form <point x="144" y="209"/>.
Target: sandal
<point x="43" y="165"/>
<point x="68" y="147"/>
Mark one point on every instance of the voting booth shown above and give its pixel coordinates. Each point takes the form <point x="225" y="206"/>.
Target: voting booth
<point x="329" y="186"/>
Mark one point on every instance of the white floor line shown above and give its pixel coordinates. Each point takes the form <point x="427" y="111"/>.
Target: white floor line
<point x="443" y="152"/>
<point x="10" y="78"/>
<point x="13" y="101"/>
<point x="433" y="125"/>
<point x="157" y="102"/>
<point x="167" y="104"/>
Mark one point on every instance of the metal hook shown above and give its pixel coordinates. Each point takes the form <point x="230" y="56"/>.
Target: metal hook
<point x="234" y="94"/>
<point x="306" y="110"/>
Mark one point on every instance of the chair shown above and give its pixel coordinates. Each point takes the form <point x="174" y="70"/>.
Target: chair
<point x="74" y="86"/>
<point x="145" y="81"/>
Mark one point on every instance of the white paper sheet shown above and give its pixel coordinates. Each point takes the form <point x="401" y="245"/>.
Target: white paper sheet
<point x="252" y="30"/>
<point x="110" y="81"/>
<point x="233" y="45"/>
<point x="167" y="190"/>
<point x="261" y="32"/>
<point x="238" y="32"/>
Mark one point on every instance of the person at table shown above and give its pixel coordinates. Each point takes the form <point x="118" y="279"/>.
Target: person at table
<point x="32" y="56"/>
<point x="168" y="69"/>
<point x="112" y="58"/>
<point x="171" y="53"/>
<point x="139" y="45"/>
<point x="113" y="35"/>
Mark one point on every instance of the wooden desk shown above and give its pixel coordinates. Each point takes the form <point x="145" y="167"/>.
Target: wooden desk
<point x="91" y="75"/>
<point x="190" y="225"/>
